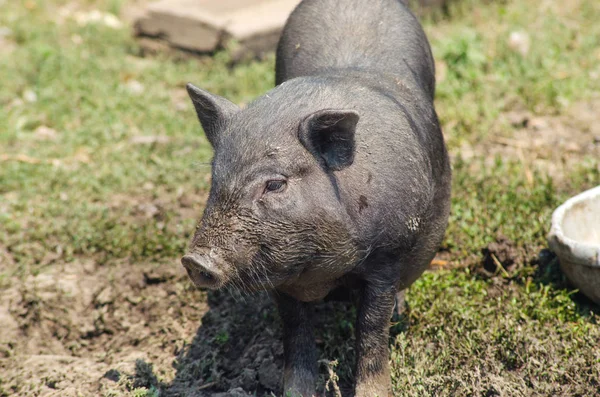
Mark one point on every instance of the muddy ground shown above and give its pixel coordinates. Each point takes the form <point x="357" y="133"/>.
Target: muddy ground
<point x="83" y="329"/>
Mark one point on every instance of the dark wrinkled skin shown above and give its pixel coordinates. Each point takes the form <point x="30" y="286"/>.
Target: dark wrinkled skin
<point x="338" y="177"/>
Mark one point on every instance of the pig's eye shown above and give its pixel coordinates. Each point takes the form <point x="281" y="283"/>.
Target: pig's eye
<point x="275" y="186"/>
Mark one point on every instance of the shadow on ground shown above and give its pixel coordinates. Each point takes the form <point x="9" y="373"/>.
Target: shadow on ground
<point x="237" y="351"/>
<point x="549" y="273"/>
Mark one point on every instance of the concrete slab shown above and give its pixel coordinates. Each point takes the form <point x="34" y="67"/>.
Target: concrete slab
<point x="206" y="25"/>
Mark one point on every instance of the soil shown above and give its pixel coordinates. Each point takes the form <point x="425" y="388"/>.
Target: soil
<point x="503" y="255"/>
<point x="88" y="329"/>
<point x="552" y="145"/>
<point x="69" y="326"/>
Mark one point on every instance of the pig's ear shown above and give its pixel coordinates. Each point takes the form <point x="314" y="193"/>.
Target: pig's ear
<point x="213" y="111"/>
<point x="329" y="135"/>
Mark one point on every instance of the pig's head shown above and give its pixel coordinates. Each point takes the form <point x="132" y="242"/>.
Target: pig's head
<point x="274" y="211"/>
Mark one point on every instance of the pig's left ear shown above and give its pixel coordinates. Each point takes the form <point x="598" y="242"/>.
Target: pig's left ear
<point x="329" y="135"/>
<point x="212" y="110"/>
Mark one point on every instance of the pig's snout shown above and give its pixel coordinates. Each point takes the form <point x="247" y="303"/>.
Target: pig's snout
<point x="204" y="269"/>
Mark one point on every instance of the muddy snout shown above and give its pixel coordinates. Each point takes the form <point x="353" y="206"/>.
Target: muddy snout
<point x="205" y="268"/>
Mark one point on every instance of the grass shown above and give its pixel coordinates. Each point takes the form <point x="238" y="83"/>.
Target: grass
<point x="63" y="201"/>
<point x="84" y="189"/>
<point x="532" y="339"/>
<point x="485" y="77"/>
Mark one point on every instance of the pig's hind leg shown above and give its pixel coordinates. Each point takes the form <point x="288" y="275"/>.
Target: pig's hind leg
<point x="299" y="350"/>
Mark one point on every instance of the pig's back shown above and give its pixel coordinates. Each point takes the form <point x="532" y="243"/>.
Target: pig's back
<point x="376" y="36"/>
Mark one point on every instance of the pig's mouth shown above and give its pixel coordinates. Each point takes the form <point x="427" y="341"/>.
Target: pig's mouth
<point x="204" y="280"/>
<point x="252" y="279"/>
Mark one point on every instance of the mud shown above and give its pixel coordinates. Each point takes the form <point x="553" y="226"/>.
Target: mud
<point x="502" y="255"/>
<point x="69" y="326"/>
<point x="84" y="329"/>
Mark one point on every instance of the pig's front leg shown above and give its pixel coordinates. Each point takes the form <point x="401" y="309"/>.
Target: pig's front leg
<point x="372" y="333"/>
<point x="299" y="350"/>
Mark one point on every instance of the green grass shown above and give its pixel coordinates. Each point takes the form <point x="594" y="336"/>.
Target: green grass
<point x="79" y="194"/>
<point x="82" y="95"/>
<point x="532" y="339"/>
<point x="485" y="77"/>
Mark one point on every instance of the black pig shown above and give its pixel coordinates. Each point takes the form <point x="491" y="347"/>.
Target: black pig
<point x="338" y="177"/>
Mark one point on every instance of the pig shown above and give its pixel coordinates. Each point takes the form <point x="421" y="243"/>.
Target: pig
<point x="338" y="177"/>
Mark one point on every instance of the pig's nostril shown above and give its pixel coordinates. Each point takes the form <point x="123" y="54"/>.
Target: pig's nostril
<point x="200" y="272"/>
<point x="207" y="276"/>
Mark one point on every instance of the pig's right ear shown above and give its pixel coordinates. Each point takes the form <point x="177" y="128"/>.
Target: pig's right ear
<point x="213" y="111"/>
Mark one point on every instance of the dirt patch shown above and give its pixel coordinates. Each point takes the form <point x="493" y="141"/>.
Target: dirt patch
<point x="238" y="348"/>
<point x="87" y="329"/>
<point x="503" y="255"/>
<point x="67" y="327"/>
<point x="505" y="264"/>
<point x="553" y="145"/>
<point x="500" y="263"/>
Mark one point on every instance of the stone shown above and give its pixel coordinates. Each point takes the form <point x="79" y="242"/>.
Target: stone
<point x="519" y="42"/>
<point x="30" y="96"/>
<point x="207" y="25"/>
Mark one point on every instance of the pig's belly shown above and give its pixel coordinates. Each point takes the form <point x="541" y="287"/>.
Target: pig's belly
<point x="309" y="292"/>
<point x="306" y="289"/>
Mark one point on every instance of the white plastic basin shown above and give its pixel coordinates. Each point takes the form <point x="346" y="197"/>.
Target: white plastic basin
<point x="575" y="238"/>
